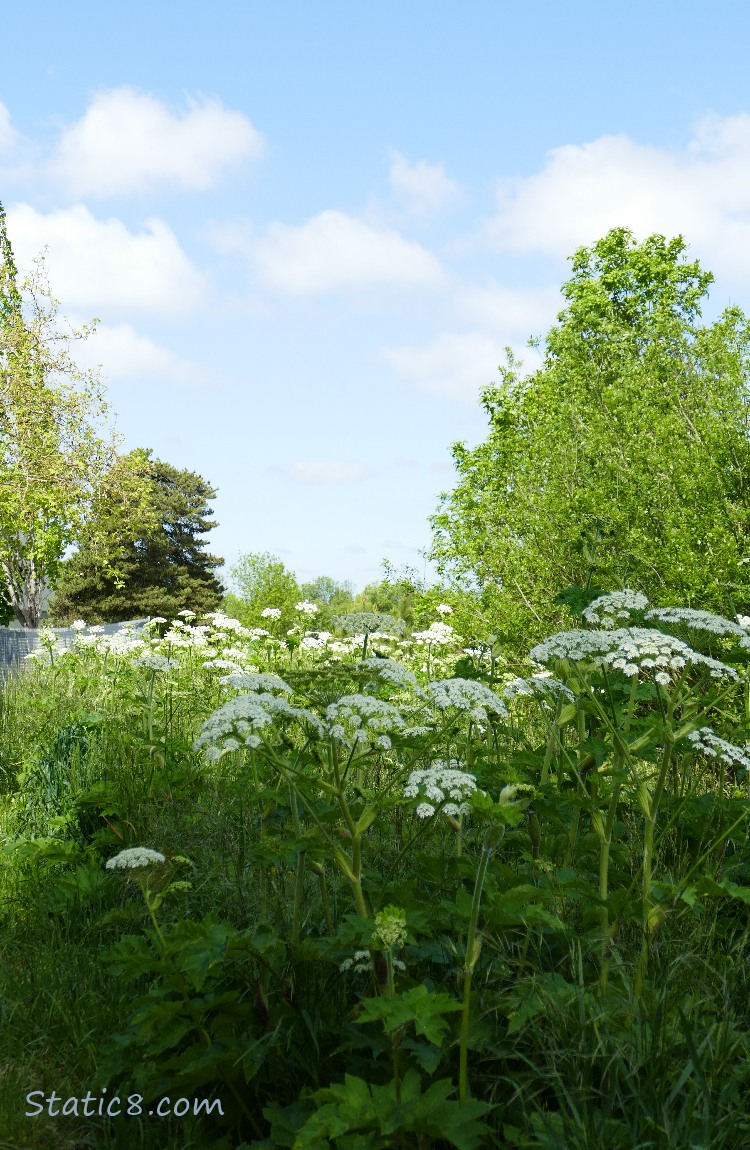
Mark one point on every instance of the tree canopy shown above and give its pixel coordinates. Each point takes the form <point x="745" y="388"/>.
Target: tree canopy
<point x="624" y="459"/>
<point x="161" y="572"/>
<point x="54" y="446"/>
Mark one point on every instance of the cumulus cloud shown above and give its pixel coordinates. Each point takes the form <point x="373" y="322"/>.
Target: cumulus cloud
<point x="326" y="472"/>
<point x="9" y="137"/>
<point x="513" y="312"/>
<point x="123" y="353"/>
<point x="100" y="266"/>
<point x="583" y="190"/>
<point x="128" y="142"/>
<point x="424" y="187"/>
<point x="334" y="251"/>
<point x="456" y="364"/>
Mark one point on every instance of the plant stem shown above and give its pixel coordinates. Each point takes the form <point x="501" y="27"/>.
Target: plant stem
<point x="470" y="958"/>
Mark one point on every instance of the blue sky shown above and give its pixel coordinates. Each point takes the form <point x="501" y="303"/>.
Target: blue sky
<point x="309" y="231"/>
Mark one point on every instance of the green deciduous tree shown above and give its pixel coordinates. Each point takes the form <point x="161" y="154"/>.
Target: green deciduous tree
<point x="163" y="570"/>
<point x="261" y="580"/>
<point x="54" y="448"/>
<point x="624" y="459"/>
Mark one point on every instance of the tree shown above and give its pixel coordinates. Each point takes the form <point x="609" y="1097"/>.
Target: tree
<point x="53" y="453"/>
<point x="624" y="459"/>
<point x="163" y="571"/>
<point x="261" y="580"/>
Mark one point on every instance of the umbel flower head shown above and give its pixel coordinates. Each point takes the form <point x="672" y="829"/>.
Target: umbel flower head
<point x="443" y="780"/>
<point x="467" y="695"/>
<point x="368" y="622"/>
<point x="237" y="723"/>
<point x="390" y="928"/>
<point x="615" y="605"/>
<point x="134" y="857"/>
<point x="630" y="650"/>
<point x="363" y="719"/>
<point x="714" y="747"/>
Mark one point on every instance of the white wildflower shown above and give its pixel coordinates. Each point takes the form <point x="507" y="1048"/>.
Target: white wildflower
<point x="78" y="625"/>
<point x="391" y="672"/>
<point x="444" y="609"/>
<point x="467" y="695"/>
<point x="362" y="718"/>
<point x="628" y="649"/>
<point x="440" y="633"/>
<point x="438" y="783"/>
<point x="702" y="621"/>
<point x="715" y="747"/>
<point x="540" y="684"/>
<point x="187" y="613"/>
<point x="223" y="665"/>
<point x="243" y="717"/>
<point x="256" y="681"/>
<point x="134" y="857"/>
<point x="615" y="605"/>
<point x="306" y="607"/>
<point x="156" y="662"/>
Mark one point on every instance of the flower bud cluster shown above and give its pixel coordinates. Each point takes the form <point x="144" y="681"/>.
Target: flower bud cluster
<point x="443" y="780"/>
<point x="357" y="719"/>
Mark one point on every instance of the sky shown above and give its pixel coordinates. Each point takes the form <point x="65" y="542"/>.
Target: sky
<point x="309" y="231"/>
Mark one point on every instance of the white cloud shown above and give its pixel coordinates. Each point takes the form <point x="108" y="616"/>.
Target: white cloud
<point x="128" y="142"/>
<point x="701" y="191"/>
<point x="334" y="251"/>
<point x="326" y="471"/>
<point x="424" y="187"/>
<point x="9" y="137"/>
<point x="520" y="312"/>
<point x="123" y="353"/>
<point x="456" y="364"/>
<point x="99" y="266"/>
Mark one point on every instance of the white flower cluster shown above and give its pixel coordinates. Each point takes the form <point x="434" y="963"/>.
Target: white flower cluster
<point x="271" y="613"/>
<point x="715" y="747"/>
<point x="134" y="857"/>
<point x="361" y="719"/>
<point x="256" y="681"/>
<point x="156" y="662"/>
<point x="315" y="641"/>
<point x="538" y="685"/>
<point x="630" y="650"/>
<point x="467" y="695"/>
<point x="615" y="605"/>
<point x="363" y="623"/>
<point x="362" y="963"/>
<point x="390" y="671"/>
<point x="444" y="609"/>
<point x="221" y="622"/>
<point x="237" y="722"/>
<point x="443" y="780"/>
<point x="440" y="633"/>
<point x="223" y="665"/>
<point x="306" y="607"/>
<point x="704" y="621"/>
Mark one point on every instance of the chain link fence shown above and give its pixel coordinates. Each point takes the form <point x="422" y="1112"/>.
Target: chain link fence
<point x="18" y="642"/>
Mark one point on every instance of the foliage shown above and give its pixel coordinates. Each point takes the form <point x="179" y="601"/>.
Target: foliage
<point x="388" y="906"/>
<point x="623" y="460"/>
<point x="54" y="452"/>
<point x="162" y="570"/>
<point x="261" y="581"/>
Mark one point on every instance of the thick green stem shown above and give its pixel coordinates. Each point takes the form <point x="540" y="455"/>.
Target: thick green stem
<point x="470" y="958"/>
<point x="648" y="851"/>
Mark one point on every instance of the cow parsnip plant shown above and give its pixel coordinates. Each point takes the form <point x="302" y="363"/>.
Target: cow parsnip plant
<point x="341" y="893"/>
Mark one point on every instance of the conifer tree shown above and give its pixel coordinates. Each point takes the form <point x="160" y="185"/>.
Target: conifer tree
<point x="163" y="571"/>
